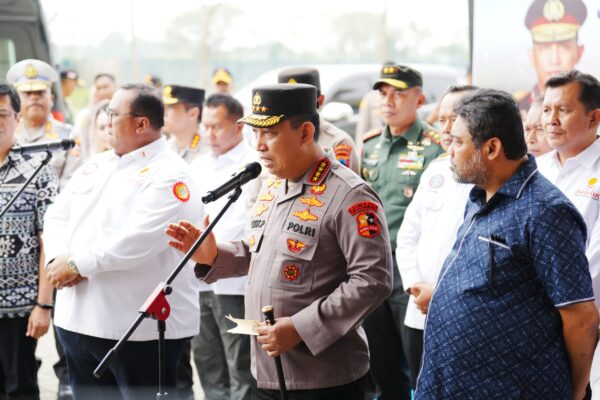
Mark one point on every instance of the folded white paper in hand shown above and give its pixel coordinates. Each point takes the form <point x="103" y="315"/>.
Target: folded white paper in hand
<point x="244" y="326"/>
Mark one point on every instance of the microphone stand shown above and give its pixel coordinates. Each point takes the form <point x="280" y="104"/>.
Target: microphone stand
<point x="45" y="161"/>
<point x="157" y="307"/>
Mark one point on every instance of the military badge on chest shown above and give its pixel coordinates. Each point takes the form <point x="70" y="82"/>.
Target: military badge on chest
<point x="412" y="159"/>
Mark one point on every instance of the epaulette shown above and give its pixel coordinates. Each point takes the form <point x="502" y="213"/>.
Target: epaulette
<point x="371" y="135"/>
<point x="432" y="135"/>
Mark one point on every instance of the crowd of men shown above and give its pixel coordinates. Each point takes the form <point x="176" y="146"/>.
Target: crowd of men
<point x="447" y="260"/>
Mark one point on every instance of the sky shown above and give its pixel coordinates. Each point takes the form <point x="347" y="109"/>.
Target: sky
<point x="77" y="22"/>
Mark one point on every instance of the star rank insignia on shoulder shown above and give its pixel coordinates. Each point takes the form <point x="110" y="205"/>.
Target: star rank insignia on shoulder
<point x="320" y="171"/>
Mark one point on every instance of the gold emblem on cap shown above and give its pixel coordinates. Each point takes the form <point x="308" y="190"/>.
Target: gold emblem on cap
<point x="292" y="81"/>
<point x="390" y="70"/>
<point x="256" y="100"/>
<point x="554" y="10"/>
<point x="30" y="71"/>
<point x="168" y="91"/>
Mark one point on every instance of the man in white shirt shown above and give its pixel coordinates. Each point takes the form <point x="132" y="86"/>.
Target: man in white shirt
<point x="103" y="239"/>
<point x="570" y="118"/>
<point x="428" y="231"/>
<point x="223" y="359"/>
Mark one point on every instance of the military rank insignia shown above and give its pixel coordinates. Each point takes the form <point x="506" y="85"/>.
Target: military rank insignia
<point x="343" y="153"/>
<point x="295" y="246"/>
<point x="181" y="191"/>
<point x="291" y="273"/>
<point x="320" y="171"/>
<point x="368" y="226"/>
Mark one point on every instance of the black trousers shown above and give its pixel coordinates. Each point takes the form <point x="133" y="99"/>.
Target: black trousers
<point x="18" y="366"/>
<point x="356" y="390"/>
<point x="132" y="375"/>
<point x="384" y="332"/>
<point x="413" y="348"/>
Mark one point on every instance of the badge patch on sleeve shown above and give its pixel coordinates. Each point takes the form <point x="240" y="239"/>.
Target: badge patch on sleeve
<point x="291" y="273"/>
<point x="181" y="191"/>
<point x="342" y="154"/>
<point x="368" y="226"/>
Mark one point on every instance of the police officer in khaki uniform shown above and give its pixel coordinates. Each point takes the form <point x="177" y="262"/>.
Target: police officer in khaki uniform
<point x="393" y="160"/>
<point x="318" y="251"/>
<point x="33" y="80"/>
<point x="554" y="27"/>
<point x="330" y="136"/>
<point x="183" y="112"/>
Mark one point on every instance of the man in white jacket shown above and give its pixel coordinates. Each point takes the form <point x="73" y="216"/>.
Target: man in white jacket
<point x="103" y="240"/>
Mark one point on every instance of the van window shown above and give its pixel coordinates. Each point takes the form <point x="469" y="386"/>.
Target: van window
<point x="8" y="55"/>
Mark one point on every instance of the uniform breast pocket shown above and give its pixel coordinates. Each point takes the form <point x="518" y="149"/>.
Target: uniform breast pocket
<point x="292" y="268"/>
<point x="499" y="257"/>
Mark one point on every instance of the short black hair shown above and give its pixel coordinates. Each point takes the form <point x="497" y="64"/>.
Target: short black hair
<point x="106" y="75"/>
<point x="15" y="100"/>
<point x="234" y="108"/>
<point x="299" y="119"/>
<point x="589" y="94"/>
<point x="460" y="88"/>
<point x="492" y="113"/>
<point x="147" y="103"/>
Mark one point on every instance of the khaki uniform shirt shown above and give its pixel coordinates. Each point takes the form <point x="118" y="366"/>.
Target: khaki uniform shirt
<point x="63" y="163"/>
<point x="321" y="255"/>
<point x="393" y="167"/>
<point x="189" y="154"/>
<point x="332" y="137"/>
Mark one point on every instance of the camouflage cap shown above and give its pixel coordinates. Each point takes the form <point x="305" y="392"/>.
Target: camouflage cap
<point x="271" y="104"/>
<point x="399" y="76"/>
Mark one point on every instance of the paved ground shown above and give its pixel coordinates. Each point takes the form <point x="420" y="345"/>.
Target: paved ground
<point x="47" y="380"/>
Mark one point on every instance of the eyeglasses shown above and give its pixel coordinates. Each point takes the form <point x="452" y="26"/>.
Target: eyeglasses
<point x="112" y="113"/>
<point x="6" y="114"/>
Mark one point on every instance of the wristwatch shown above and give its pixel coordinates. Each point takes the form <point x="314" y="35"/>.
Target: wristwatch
<point x="71" y="266"/>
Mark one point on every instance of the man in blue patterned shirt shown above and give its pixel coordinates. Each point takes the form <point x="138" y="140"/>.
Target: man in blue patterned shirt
<point x="513" y="313"/>
<point x="25" y="293"/>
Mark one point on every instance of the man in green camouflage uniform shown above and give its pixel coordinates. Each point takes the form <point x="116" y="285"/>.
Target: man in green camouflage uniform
<point x="392" y="163"/>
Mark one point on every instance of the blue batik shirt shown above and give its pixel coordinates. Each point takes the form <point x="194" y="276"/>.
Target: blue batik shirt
<point x="493" y="328"/>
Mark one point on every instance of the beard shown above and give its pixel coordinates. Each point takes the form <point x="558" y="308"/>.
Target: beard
<point x="472" y="171"/>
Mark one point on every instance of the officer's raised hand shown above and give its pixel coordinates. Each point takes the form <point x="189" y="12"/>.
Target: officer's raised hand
<point x="185" y="235"/>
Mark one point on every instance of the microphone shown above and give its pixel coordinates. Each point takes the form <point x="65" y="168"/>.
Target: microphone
<point x="56" y="145"/>
<point x="249" y="172"/>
